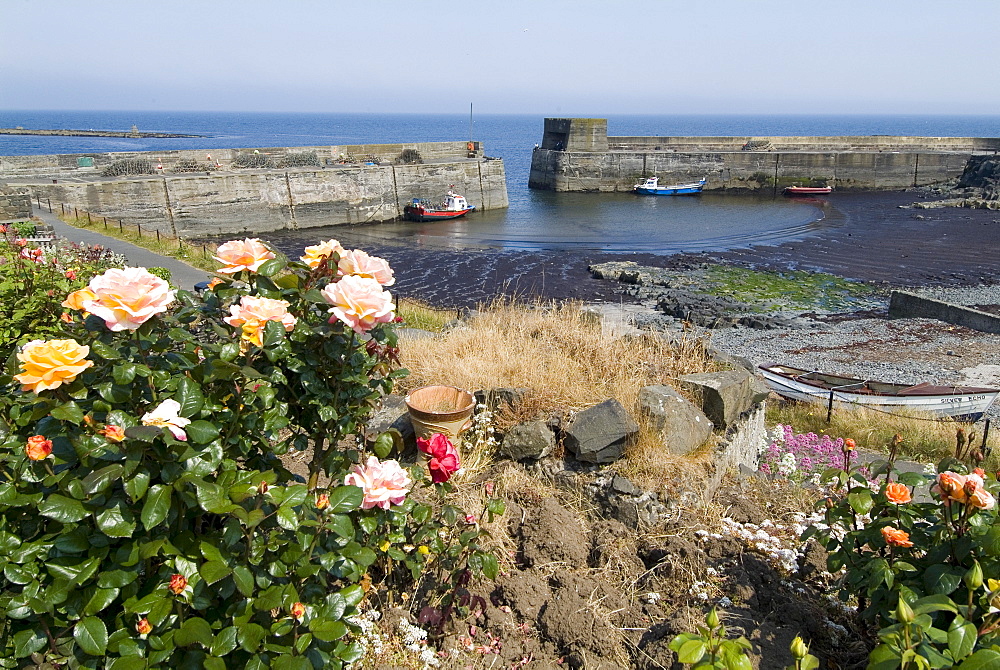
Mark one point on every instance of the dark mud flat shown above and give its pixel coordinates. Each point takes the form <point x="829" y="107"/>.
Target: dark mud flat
<point x="865" y="237"/>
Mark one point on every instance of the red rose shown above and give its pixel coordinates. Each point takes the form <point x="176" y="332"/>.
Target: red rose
<point x="38" y="448"/>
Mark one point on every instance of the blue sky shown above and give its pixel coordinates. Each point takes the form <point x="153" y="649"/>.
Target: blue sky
<point x="504" y="56"/>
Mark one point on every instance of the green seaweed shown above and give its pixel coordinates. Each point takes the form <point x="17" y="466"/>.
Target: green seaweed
<point x="790" y="290"/>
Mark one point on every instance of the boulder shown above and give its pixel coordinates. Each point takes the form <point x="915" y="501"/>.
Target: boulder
<point x="497" y="398"/>
<point x="392" y="414"/>
<point x="599" y="434"/>
<point x="726" y="395"/>
<point x="532" y="440"/>
<point x="683" y="427"/>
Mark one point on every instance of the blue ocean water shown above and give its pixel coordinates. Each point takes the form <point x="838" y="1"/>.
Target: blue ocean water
<point x="535" y="220"/>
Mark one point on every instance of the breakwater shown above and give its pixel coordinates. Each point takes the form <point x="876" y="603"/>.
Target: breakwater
<point x="578" y="155"/>
<point x="197" y="193"/>
<point x="61" y="132"/>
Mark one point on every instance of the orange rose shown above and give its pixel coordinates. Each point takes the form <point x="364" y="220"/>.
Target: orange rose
<point x="322" y="501"/>
<point x="849" y="445"/>
<point x="253" y="313"/>
<point x="298" y="610"/>
<point x="144" y="627"/>
<point x="177" y="583"/>
<point x="215" y="282"/>
<point x="113" y="433"/>
<point x="38" y="448"/>
<point x="76" y="299"/>
<point x="896" y="538"/>
<point x="50" y="364"/>
<point x="239" y="255"/>
<point x="897" y="493"/>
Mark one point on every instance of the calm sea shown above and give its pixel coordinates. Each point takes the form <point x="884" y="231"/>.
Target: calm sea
<point x="535" y="220"/>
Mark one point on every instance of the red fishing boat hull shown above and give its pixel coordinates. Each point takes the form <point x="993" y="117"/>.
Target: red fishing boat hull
<point x="424" y="214"/>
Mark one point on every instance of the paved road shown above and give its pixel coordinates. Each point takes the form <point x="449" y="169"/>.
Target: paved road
<point x="182" y="275"/>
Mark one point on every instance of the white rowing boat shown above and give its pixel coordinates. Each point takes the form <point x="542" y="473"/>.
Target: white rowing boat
<point x="957" y="402"/>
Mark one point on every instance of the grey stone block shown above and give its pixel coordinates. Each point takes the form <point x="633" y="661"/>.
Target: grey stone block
<point x="532" y="440"/>
<point x="725" y="395"/>
<point x="682" y="425"/>
<point x="599" y="434"/>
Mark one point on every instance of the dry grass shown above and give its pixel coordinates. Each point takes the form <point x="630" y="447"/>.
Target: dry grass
<point x="558" y="352"/>
<point x="418" y="314"/>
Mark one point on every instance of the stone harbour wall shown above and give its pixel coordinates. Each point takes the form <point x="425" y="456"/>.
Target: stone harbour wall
<point x="575" y="159"/>
<point x="15" y="204"/>
<point x="226" y="201"/>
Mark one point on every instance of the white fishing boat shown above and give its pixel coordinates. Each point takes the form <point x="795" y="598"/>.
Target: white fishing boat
<point x="957" y="402"/>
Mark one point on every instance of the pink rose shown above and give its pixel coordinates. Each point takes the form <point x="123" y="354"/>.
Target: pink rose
<point x="239" y="255"/>
<point x="127" y="298"/>
<point x="384" y="483"/>
<point x="359" y="302"/>
<point x="253" y="313"/>
<point x="167" y="415"/>
<point x="314" y="255"/>
<point x="359" y="263"/>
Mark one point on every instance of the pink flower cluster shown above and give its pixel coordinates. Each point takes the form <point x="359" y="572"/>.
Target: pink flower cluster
<point x="444" y="460"/>
<point x="384" y="483"/>
<point x="813" y="454"/>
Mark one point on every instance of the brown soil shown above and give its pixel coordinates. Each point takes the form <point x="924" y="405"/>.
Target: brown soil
<point x="587" y="592"/>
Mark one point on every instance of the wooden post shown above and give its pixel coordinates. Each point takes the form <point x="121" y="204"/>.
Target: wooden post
<point x="829" y="408"/>
<point x="138" y="228"/>
<point x="49" y="202"/>
<point x="157" y="234"/>
<point x="88" y="218"/>
<point x="121" y="226"/>
<point x="62" y="206"/>
<point x="76" y="213"/>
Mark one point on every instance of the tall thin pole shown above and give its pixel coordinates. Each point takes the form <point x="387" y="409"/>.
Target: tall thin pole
<point x="470" y="121"/>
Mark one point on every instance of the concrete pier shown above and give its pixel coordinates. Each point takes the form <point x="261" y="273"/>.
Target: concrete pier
<point x="578" y="155"/>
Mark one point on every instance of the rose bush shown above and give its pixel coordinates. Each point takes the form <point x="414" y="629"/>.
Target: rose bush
<point x="145" y="516"/>
<point x="927" y="572"/>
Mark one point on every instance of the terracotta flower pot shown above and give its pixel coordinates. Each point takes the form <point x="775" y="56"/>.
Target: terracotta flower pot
<point x="440" y="409"/>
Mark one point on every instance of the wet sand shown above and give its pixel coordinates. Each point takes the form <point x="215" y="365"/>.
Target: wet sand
<point x="865" y="236"/>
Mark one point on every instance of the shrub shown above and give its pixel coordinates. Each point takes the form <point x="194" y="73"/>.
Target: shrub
<point x="927" y="572"/>
<point x="35" y="280"/>
<point x="409" y="156"/>
<point x="145" y="516"/>
<point x="162" y="273"/>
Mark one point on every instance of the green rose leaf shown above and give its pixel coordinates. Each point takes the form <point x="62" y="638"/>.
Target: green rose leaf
<point x="250" y="636"/>
<point x="691" y="651"/>
<point x="341" y="525"/>
<point x="101" y="599"/>
<point x="984" y="659"/>
<point x="201" y="432"/>
<point x="244" y="580"/>
<point x="328" y="631"/>
<point x="98" y="480"/>
<point x="116" y="520"/>
<point x="345" y="499"/>
<point x="68" y="411"/>
<point x="144" y="433"/>
<point x="92" y="635"/>
<point x="213" y="571"/>
<point x="962" y="636"/>
<point x="287" y="518"/>
<point x="289" y="662"/>
<point x="225" y="641"/>
<point x="136" y="486"/>
<point x="62" y="508"/>
<point x="157" y="504"/>
<point x="861" y="501"/>
<point x="194" y="631"/>
<point x="272" y="267"/>
<point x="27" y="642"/>
<point x="190" y="397"/>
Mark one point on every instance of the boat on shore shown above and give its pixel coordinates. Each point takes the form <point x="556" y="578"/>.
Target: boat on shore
<point x="807" y="190"/>
<point x="454" y="206"/>
<point x="652" y="187"/>
<point x="956" y="402"/>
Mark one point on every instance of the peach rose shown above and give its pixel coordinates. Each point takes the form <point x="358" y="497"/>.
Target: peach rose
<point x="897" y="493"/>
<point x="359" y="263"/>
<point x="128" y="298"/>
<point x="359" y="302"/>
<point x="76" y="299"/>
<point x="980" y="499"/>
<point x="384" y="483"/>
<point x="896" y="538"/>
<point x="38" y="448"/>
<point x="297" y="610"/>
<point x="950" y="486"/>
<point x="50" y="364"/>
<point x="143" y="627"/>
<point x="322" y="501"/>
<point x="239" y="255"/>
<point x="252" y="313"/>
<point x="314" y="255"/>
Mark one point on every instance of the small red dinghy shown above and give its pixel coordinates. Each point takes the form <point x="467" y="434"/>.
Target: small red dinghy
<point x="454" y="206"/>
<point x="807" y="190"/>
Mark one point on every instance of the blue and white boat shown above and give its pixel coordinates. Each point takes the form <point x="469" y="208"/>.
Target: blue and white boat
<point x="652" y="187"/>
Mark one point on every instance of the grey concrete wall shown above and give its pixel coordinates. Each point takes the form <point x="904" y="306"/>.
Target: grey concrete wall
<point x="748" y="170"/>
<point x="15" y="204"/>
<point x="873" y="143"/>
<point x="255" y="201"/>
<point x="905" y="305"/>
